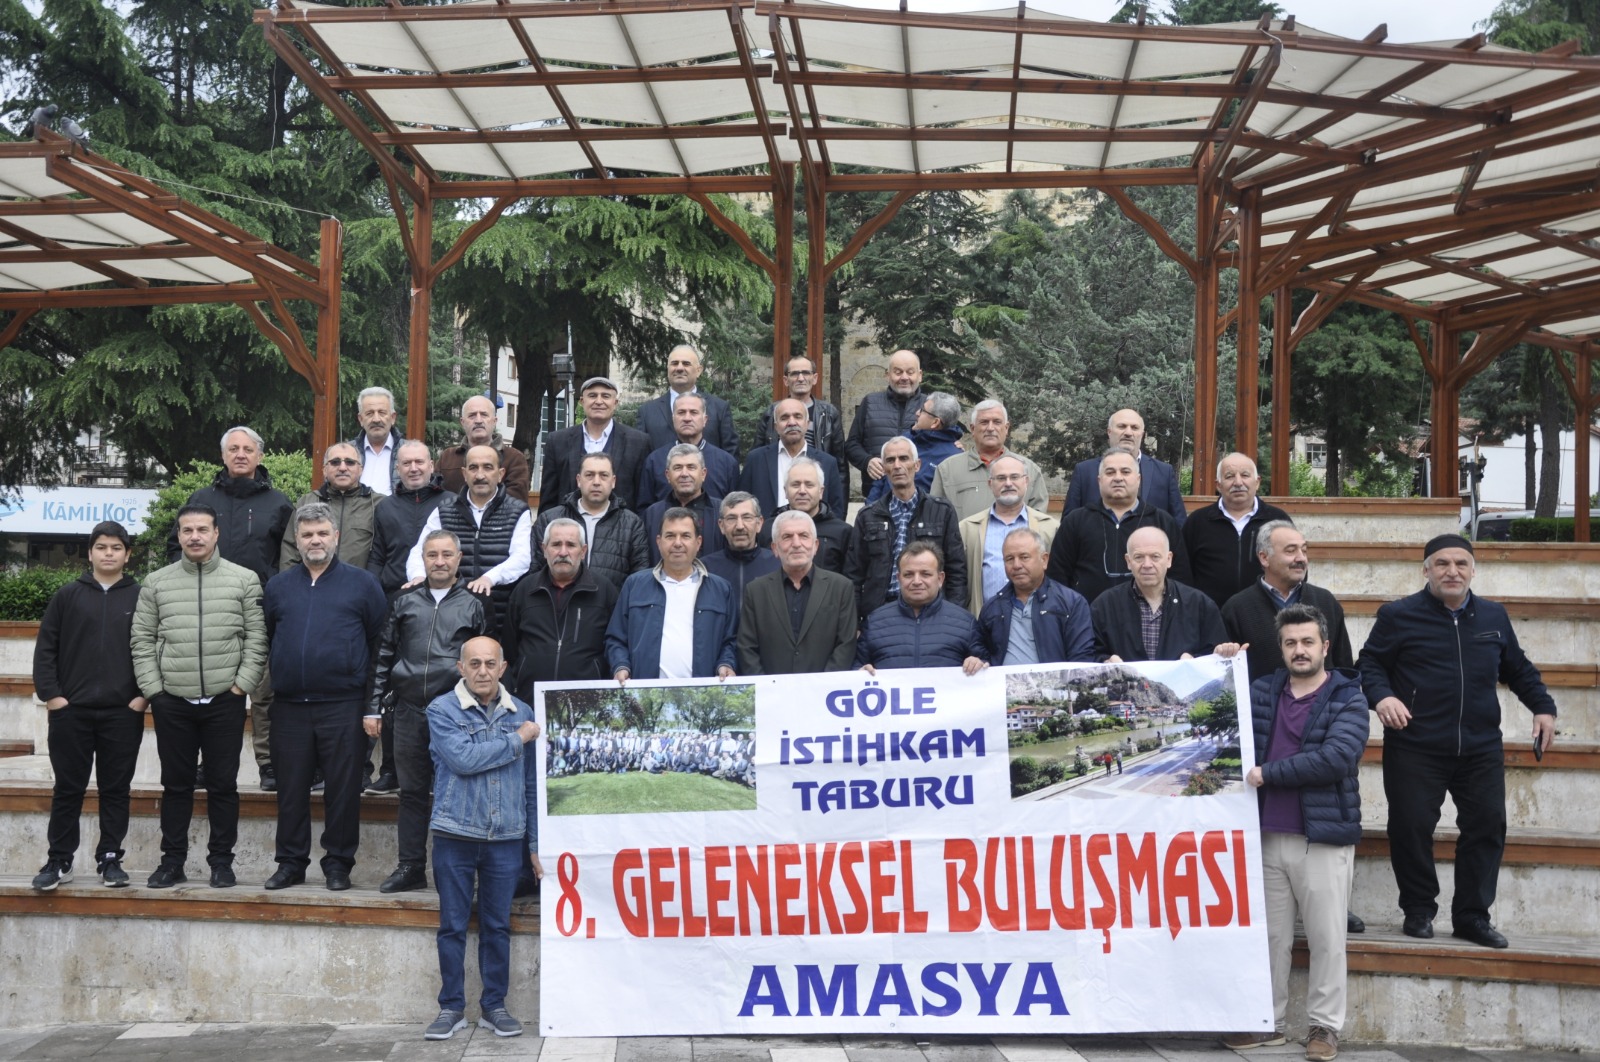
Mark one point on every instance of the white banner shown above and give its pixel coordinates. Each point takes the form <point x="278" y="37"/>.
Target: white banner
<point x="73" y="510"/>
<point x="1060" y="848"/>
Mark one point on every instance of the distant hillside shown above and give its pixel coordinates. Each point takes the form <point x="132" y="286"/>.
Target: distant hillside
<point x="1120" y="683"/>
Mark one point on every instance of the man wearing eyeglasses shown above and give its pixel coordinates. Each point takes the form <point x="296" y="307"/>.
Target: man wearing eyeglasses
<point x="353" y="503"/>
<point x="1090" y="548"/>
<point x="825" y="427"/>
<point x="983" y="535"/>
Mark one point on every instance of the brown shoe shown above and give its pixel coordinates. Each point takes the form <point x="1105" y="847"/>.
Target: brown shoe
<point x="1322" y="1045"/>
<point x="1245" y="1041"/>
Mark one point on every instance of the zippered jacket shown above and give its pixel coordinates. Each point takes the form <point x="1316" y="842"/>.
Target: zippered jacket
<point x="547" y="644"/>
<point x="199" y="629"/>
<point x="82" y="651"/>
<point x="1325" y="768"/>
<point x="421" y="643"/>
<point x="1444" y="669"/>
<point x="251" y="516"/>
<point x="323" y="635"/>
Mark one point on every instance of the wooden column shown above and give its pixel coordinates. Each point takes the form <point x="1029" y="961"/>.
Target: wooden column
<point x="325" y="398"/>
<point x="1446" y="413"/>
<point x="1205" y="346"/>
<point x="1247" y="378"/>
<point x="420" y="250"/>
<point x="1282" y="369"/>
<point x="783" y="282"/>
<point x="1584" y="410"/>
<point x="816" y="272"/>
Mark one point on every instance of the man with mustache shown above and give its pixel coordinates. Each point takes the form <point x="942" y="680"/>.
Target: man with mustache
<point x="1251" y="614"/>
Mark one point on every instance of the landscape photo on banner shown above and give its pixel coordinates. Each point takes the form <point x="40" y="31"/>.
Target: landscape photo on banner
<point x="1063" y="848"/>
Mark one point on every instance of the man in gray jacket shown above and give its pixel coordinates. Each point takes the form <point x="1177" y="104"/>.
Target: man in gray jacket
<point x="199" y="642"/>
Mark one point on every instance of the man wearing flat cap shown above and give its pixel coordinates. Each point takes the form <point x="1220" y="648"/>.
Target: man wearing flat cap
<point x="598" y="433"/>
<point x="1429" y="669"/>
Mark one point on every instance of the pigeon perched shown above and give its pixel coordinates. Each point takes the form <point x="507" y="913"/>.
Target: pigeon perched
<point x="45" y="118"/>
<point x="74" y="132"/>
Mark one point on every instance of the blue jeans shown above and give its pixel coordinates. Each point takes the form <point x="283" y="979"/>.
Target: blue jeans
<point x="495" y="866"/>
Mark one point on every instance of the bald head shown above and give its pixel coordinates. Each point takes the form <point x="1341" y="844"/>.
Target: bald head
<point x="904" y="372"/>
<point x="478" y="420"/>
<point x="481" y="666"/>
<point x="1149" y="557"/>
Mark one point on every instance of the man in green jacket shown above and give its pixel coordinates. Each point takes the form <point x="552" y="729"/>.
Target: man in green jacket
<point x="199" y="641"/>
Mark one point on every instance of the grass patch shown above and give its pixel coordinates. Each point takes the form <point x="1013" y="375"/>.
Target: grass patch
<point x="638" y="791"/>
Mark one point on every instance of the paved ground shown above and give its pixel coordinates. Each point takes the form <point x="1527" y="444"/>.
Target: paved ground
<point x="403" y="1043"/>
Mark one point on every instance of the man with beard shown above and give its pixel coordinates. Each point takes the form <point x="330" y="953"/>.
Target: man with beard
<point x="766" y="470"/>
<point x="1251" y="614"/>
<point x="804" y="488"/>
<point x="422" y="639"/>
<point x="478" y="426"/>
<point x="250" y="520"/>
<point x="617" y="544"/>
<point x="323" y="621"/>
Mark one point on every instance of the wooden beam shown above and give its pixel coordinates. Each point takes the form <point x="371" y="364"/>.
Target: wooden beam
<point x="783" y="280"/>
<point x="13" y="328"/>
<point x="1282" y="382"/>
<point x="421" y="314"/>
<point x="866" y="232"/>
<point x="530" y="77"/>
<point x="1154" y="229"/>
<point x="1205" y="345"/>
<point x="738" y="235"/>
<point x="92" y="264"/>
<point x="165" y="295"/>
<point x="1247" y="377"/>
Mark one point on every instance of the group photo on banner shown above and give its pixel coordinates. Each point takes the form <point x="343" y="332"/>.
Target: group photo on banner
<point x="1062" y="848"/>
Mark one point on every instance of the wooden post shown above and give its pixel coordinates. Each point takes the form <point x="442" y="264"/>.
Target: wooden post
<point x="421" y="307"/>
<point x="1247" y="378"/>
<point x="1584" y="410"/>
<point x="816" y="271"/>
<point x="1205" y="345"/>
<point x="325" y="397"/>
<point x="1446" y="413"/>
<point x="1282" y="369"/>
<point x="783" y="283"/>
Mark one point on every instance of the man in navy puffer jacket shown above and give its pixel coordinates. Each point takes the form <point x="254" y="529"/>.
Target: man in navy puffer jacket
<point x="921" y="629"/>
<point x="1310" y="725"/>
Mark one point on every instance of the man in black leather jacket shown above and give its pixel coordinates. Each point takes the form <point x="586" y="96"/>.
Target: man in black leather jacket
<point x="417" y="653"/>
<point x="556" y="622"/>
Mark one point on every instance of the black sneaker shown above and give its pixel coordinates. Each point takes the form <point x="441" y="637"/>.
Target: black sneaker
<point x="223" y="878"/>
<point x="112" y="876"/>
<point x="406" y="878"/>
<point x="386" y="782"/>
<point x="269" y="779"/>
<point x="166" y="876"/>
<point x="52" y="874"/>
<point x="317" y="781"/>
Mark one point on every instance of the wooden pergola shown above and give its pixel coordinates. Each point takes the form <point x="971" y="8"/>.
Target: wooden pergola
<point x="1455" y="184"/>
<point x="78" y="231"/>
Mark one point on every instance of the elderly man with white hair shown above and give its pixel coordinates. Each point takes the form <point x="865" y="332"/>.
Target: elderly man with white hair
<point x="800" y="618"/>
<point x="1221" y="538"/>
<point x="963" y="480"/>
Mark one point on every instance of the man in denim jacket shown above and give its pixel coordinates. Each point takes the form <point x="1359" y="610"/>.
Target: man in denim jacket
<point x="485" y="808"/>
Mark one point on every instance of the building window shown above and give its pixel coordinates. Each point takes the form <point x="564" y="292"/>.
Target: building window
<point x="1317" y="454"/>
<point x="511" y="414"/>
<point x="511" y="366"/>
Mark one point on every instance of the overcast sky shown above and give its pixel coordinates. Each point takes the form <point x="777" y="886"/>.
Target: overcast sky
<point x="1409" y="21"/>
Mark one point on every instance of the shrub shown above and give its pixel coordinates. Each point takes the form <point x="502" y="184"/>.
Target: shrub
<point x="1203" y="783"/>
<point x="25" y="592"/>
<point x="291" y="473"/>
<point x="1543" y="529"/>
<point x="1024" y="774"/>
<point x="1149" y="744"/>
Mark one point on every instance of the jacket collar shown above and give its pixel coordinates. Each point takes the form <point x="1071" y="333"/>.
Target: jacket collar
<point x="501" y="701"/>
<point x="207" y="567"/>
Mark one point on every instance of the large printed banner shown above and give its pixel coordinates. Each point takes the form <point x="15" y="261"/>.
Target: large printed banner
<point x="1058" y="848"/>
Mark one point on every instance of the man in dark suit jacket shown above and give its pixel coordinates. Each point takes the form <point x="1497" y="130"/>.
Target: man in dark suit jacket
<point x="655" y="416"/>
<point x="564" y="450"/>
<point x="760" y="476"/>
<point x="1158" y="480"/>
<point x="689" y="426"/>
<point x="800" y="618"/>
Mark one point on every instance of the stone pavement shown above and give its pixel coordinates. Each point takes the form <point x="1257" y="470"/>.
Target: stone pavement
<point x="207" y="1042"/>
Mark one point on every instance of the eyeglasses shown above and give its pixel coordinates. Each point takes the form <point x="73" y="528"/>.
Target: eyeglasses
<point x="336" y="461"/>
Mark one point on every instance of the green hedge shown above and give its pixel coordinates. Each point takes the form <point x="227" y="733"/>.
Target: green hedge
<point x="25" y="592"/>
<point x="1543" y="529"/>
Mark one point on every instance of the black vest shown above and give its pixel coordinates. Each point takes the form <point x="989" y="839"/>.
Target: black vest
<point x="486" y="544"/>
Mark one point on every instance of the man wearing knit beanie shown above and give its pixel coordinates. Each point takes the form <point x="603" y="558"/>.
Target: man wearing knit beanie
<point x="1429" y="669"/>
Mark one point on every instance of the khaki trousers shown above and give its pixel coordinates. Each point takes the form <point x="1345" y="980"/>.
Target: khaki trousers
<point x="1311" y="881"/>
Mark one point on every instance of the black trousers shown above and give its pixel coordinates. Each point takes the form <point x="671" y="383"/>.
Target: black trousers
<point x="1415" y="783"/>
<point x="409" y="724"/>
<point x="189" y="736"/>
<point x="305" y="737"/>
<point x="105" y="740"/>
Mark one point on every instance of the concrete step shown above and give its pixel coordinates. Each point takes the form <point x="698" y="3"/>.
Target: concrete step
<point x="1558" y="794"/>
<point x="1549" y="883"/>
<point x="1547" y="629"/>
<point x="147" y="769"/>
<point x="1364" y="519"/>
<point x="1393" y="568"/>
<point x="233" y="955"/>
<point x="25" y="810"/>
<point x="1542" y="992"/>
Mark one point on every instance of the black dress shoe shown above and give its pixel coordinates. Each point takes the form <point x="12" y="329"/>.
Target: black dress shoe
<point x="286" y="875"/>
<point x="1479" y="931"/>
<point x="336" y="880"/>
<point x="384" y="783"/>
<point x="269" y="779"/>
<point x="406" y="878"/>
<point x="1353" y="923"/>
<point x="1419" y="926"/>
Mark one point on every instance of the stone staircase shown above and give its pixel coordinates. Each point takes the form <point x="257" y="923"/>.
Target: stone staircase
<point x="245" y="954"/>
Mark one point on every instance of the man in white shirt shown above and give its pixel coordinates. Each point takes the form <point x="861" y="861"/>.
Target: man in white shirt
<point x="378" y="444"/>
<point x="675" y="620"/>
